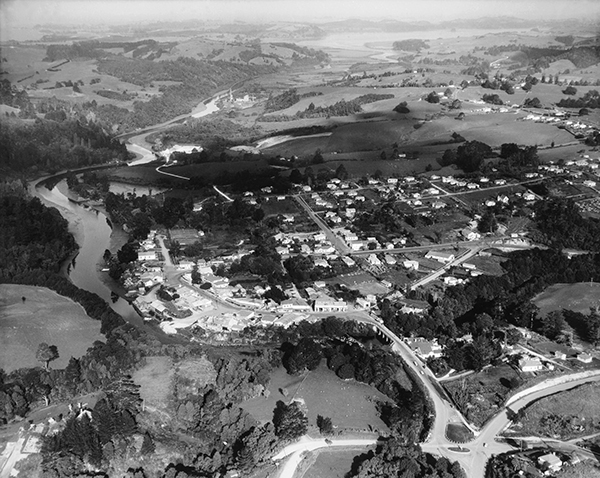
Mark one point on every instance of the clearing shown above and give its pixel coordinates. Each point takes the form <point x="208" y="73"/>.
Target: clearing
<point x="45" y="316"/>
<point x="351" y="405"/>
<point x="578" y="297"/>
<point x="570" y="414"/>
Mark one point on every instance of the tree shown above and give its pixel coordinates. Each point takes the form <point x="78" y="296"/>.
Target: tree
<point x="306" y="354"/>
<point x="318" y="157"/>
<point x="46" y="353"/>
<point x="402" y="108"/>
<point x="532" y="103"/>
<point x="432" y="97"/>
<point x="289" y="420"/>
<point x="341" y="172"/>
<point x="570" y="90"/>
<point x="127" y="253"/>
<point x="325" y="425"/>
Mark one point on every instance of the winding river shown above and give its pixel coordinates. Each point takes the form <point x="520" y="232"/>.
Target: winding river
<point x="92" y="233"/>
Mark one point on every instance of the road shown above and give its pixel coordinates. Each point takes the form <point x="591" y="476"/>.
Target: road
<point x="445" y="268"/>
<point x="295" y="451"/>
<point x="337" y="242"/>
<point x="480" y="449"/>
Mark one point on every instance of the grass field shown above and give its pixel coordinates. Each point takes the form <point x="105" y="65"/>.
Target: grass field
<point x="577" y="297"/>
<point x="47" y="317"/>
<point x="577" y="411"/>
<point x="332" y="463"/>
<point x="459" y="433"/>
<point x="349" y="404"/>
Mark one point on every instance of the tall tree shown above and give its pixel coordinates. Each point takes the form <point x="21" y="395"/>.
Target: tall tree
<point x="46" y="353"/>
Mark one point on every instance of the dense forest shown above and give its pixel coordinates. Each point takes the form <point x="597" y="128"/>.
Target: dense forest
<point x="49" y="145"/>
<point x="340" y="108"/>
<point x="215" y="134"/>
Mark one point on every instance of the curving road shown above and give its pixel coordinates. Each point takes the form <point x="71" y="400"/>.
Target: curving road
<point x="477" y="452"/>
<point x="295" y="451"/>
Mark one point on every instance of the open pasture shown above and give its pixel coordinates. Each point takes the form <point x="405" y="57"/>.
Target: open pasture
<point x="350" y="405"/>
<point x="578" y="297"/>
<point x="47" y="317"/>
<point x="334" y="463"/>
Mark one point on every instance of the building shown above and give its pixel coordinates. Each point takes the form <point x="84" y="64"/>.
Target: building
<point x="530" y="364"/>
<point x="390" y="260"/>
<point x="373" y="260"/>
<point x="413" y="306"/>
<point x="470" y="235"/>
<point x="414" y="265"/>
<point x="147" y="255"/>
<point x="550" y="460"/>
<point x="443" y="257"/>
<point x="560" y="355"/>
<point x="425" y="348"/>
<point x="295" y="304"/>
<point x="585" y="358"/>
<point x="327" y="304"/>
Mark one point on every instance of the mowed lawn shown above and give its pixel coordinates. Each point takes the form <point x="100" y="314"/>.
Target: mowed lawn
<point x="351" y="405"/>
<point x="334" y="463"/>
<point x="577" y="297"/>
<point x="47" y="317"/>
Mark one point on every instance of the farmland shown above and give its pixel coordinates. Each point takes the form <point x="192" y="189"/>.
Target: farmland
<point x="44" y="317"/>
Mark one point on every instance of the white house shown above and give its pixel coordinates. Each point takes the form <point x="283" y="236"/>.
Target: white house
<point x="326" y="304"/>
<point x="414" y="265"/>
<point x="390" y="260"/>
<point x="147" y="255"/>
<point x="553" y="462"/>
<point x="585" y="358"/>
<point x="373" y="260"/>
<point x="443" y="257"/>
<point x="530" y="364"/>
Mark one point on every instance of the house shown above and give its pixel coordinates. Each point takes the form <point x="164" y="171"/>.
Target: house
<point x="185" y="265"/>
<point x="321" y="263"/>
<point x="470" y="235"/>
<point x="362" y="303"/>
<point x="413" y="306"/>
<point x="295" y="304"/>
<point x="373" y="260"/>
<point x="390" y="260"/>
<point x="443" y="257"/>
<point x="425" y="348"/>
<point x="550" y="460"/>
<point x="356" y="245"/>
<point x="414" y="265"/>
<point x="585" y="358"/>
<point x="560" y="355"/>
<point x="326" y="304"/>
<point x="348" y="261"/>
<point x="147" y="255"/>
<point x="530" y="364"/>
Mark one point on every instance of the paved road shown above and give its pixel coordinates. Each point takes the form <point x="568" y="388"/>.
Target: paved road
<point x="446" y="267"/>
<point x="337" y="242"/>
<point x="296" y="450"/>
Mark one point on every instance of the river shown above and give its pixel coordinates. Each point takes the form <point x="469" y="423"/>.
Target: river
<point x="92" y="233"/>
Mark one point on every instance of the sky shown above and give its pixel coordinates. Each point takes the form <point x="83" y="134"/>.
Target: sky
<point x="18" y="13"/>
